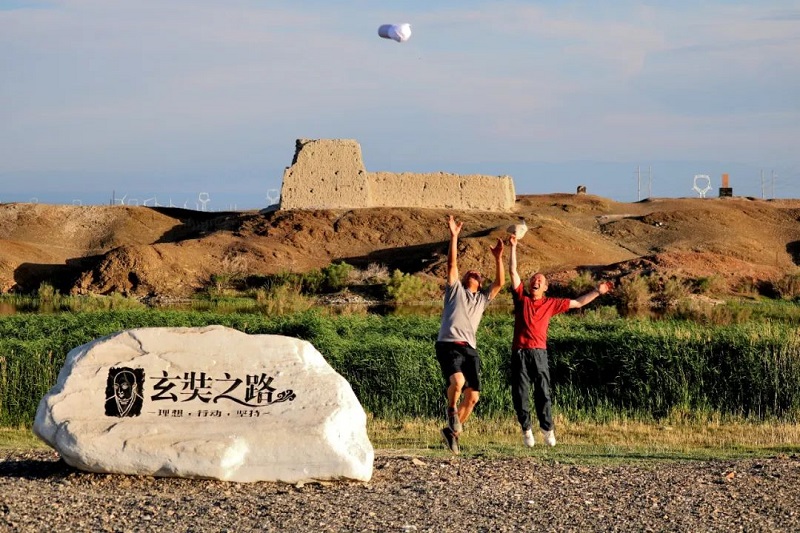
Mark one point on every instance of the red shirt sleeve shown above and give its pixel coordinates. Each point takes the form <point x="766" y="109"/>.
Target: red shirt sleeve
<point x="560" y="305"/>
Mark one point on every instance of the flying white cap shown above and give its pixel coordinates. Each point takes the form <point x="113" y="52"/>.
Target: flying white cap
<point x="397" y="32"/>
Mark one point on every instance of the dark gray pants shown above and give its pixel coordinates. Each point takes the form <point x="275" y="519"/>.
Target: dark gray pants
<point x="530" y="366"/>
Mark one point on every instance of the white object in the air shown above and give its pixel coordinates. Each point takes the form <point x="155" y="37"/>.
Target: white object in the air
<point x="397" y="32"/>
<point x="519" y="229"/>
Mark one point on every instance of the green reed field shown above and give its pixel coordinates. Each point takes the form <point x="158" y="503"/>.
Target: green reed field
<point x="605" y="371"/>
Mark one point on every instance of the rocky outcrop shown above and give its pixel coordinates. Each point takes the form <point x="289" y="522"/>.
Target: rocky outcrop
<point x="330" y="174"/>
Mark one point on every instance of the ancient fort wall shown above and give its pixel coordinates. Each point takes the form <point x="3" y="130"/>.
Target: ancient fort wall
<point x="330" y="174"/>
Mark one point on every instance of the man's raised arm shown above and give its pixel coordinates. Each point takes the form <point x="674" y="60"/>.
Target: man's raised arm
<point x="499" y="275"/>
<point x="512" y="263"/>
<point x="452" y="262"/>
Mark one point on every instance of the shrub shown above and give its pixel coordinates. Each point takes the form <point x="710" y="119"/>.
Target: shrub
<point x="633" y="293"/>
<point x="335" y="276"/>
<point x="747" y="286"/>
<point x="308" y="283"/>
<point x="312" y="281"/>
<point x="221" y="282"/>
<point x="714" y="284"/>
<point x="406" y="289"/>
<point x="96" y="303"/>
<point x="235" y="262"/>
<point x="47" y="293"/>
<point x="675" y="290"/>
<point x="282" y="299"/>
<point x="582" y="283"/>
<point x="374" y="273"/>
<point x="653" y="283"/>
<point x="788" y="287"/>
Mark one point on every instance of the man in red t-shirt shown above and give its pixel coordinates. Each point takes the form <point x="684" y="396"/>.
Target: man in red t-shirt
<point x="532" y="312"/>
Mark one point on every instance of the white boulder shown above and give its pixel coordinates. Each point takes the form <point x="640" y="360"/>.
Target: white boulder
<point x="208" y="402"/>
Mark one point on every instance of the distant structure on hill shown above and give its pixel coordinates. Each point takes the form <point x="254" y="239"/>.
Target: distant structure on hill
<point x="330" y="174"/>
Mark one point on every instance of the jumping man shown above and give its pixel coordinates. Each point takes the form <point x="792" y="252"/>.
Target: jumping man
<point x="532" y="312"/>
<point x="456" y="346"/>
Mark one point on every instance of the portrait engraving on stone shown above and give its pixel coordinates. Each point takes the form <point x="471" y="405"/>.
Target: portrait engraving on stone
<point x="124" y="392"/>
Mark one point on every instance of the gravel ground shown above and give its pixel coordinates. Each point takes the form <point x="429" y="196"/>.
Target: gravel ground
<point x="40" y="493"/>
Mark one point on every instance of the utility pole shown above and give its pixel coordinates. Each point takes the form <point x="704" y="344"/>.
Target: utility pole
<point x="650" y="181"/>
<point x="638" y="184"/>
<point x="762" y="183"/>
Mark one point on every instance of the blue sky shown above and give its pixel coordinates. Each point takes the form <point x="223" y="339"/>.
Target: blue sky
<point x="169" y="98"/>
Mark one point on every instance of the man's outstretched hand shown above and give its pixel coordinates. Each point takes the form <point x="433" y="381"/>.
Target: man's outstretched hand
<point x="455" y="227"/>
<point x="497" y="250"/>
<point x="605" y="287"/>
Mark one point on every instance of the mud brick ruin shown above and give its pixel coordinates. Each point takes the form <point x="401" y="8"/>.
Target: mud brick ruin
<point x="330" y="174"/>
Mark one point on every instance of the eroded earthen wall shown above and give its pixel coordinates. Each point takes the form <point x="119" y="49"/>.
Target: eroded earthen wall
<point x="330" y="174"/>
<point x="325" y="174"/>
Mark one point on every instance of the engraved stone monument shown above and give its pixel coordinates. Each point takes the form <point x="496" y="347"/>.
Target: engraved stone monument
<point x="208" y="402"/>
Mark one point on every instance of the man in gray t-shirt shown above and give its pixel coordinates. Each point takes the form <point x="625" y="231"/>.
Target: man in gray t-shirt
<point x="456" y="345"/>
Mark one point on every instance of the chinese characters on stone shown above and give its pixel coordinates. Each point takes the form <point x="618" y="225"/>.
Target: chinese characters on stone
<point x="255" y="390"/>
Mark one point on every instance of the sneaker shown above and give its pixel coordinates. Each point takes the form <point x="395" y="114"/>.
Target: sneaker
<point x="453" y="422"/>
<point x="549" y="437"/>
<point x="450" y="440"/>
<point x="527" y="438"/>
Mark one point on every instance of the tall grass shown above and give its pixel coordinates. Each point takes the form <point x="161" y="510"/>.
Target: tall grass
<point x="603" y="368"/>
<point x="49" y="300"/>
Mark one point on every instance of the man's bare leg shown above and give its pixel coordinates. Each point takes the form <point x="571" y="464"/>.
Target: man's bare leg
<point x="467" y="404"/>
<point x="457" y="381"/>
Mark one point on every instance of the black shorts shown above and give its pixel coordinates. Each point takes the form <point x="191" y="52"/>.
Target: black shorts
<point x="455" y="358"/>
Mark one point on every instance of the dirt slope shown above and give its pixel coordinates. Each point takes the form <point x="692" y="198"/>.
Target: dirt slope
<point x="146" y="251"/>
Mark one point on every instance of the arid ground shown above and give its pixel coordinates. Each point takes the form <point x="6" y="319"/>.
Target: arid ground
<point x="170" y="252"/>
<point x="407" y="493"/>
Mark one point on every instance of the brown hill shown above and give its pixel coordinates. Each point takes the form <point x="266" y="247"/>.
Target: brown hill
<point x="144" y="251"/>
